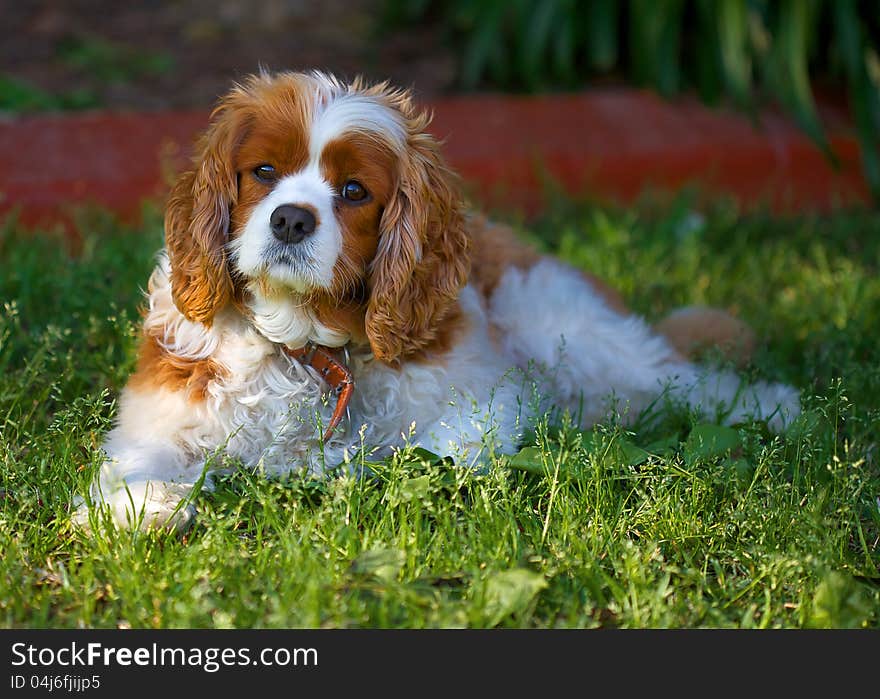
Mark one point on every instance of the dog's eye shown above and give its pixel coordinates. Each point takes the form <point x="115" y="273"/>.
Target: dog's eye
<point x="264" y="173"/>
<point x="353" y="191"/>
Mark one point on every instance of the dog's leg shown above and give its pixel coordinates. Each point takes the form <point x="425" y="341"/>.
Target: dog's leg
<point x="149" y="504"/>
<point x="549" y="314"/>
<point x="141" y="485"/>
<point x="694" y="329"/>
<point x="726" y="396"/>
<point x="154" y="458"/>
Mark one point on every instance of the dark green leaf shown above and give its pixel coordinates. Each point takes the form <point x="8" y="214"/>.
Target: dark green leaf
<point x="414" y="489"/>
<point x="621" y="448"/>
<point x="531" y="460"/>
<point x="426" y="455"/>
<point x="510" y="592"/>
<point x="707" y="441"/>
<point x="381" y="563"/>
<point x="632" y="454"/>
<point x="663" y="447"/>
<point x="840" y="603"/>
<point x="743" y="468"/>
<point x="804" y="425"/>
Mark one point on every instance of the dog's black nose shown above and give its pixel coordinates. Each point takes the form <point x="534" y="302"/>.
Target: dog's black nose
<point x="290" y="224"/>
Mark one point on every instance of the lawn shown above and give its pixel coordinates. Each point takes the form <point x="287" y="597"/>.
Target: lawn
<point x="672" y="522"/>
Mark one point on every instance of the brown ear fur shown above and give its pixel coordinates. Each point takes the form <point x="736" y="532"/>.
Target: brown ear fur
<point x="197" y="216"/>
<point x="422" y="262"/>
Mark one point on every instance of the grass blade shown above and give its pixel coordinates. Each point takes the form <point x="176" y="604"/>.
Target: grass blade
<point x="565" y="45"/>
<point x="601" y="34"/>
<point x="487" y="39"/>
<point x="704" y="56"/>
<point x="655" y="32"/>
<point x="789" y="70"/>
<point x="732" y="26"/>
<point x="862" y="93"/>
<point x="535" y="25"/>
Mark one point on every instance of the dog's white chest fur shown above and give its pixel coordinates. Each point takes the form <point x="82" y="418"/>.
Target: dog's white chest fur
<point x="268" y="410"/>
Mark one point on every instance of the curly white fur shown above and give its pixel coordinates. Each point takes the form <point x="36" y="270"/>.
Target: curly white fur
<point x="268" y="412"/>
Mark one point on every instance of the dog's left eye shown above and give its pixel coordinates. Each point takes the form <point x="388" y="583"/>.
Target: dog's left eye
<point x="353" y="191"/>
<point x="264" y="173"/>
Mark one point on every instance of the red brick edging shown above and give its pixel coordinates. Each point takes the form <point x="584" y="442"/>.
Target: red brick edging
<point x="607" y="143"/>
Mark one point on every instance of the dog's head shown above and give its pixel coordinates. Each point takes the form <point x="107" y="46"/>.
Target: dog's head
<point x="329" y="194"/>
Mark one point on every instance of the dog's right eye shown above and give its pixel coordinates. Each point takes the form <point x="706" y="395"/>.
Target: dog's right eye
<point x="264" y="173"/>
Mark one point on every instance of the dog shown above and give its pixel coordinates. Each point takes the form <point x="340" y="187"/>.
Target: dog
<point x="324" y="289"/>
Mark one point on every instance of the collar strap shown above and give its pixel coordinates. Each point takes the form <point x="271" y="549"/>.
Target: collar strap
<point x="335" y="374"/>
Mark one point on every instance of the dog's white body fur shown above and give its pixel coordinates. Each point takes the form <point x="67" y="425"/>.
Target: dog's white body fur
<point x="555" y="329"/>
<point x="541" y="337"/>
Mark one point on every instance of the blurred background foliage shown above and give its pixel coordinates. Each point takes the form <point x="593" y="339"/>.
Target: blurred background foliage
<point x="745" y="51"/>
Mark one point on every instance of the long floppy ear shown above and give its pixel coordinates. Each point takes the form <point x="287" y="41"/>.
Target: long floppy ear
<point x="197" y="217"/>
<point x="422" y="261"/>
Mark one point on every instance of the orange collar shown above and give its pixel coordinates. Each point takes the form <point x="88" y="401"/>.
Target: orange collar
<point x="335" y="373"/>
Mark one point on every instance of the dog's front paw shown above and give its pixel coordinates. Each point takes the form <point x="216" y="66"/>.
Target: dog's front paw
<point x="145" y="505"/>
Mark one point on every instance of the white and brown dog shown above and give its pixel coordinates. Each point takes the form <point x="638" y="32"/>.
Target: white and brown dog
<point x="320" y="265"/>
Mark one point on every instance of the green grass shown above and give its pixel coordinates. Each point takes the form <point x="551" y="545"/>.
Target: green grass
<point x="96" y="62"/>
<point x="671" y="524"/>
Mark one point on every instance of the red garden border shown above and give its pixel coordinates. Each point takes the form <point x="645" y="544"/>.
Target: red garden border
<point x="610" y="143"/>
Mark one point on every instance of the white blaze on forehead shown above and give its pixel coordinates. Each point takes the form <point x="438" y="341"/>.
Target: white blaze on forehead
<point x="357" y="113"/>
<point x="305" y="187"/>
